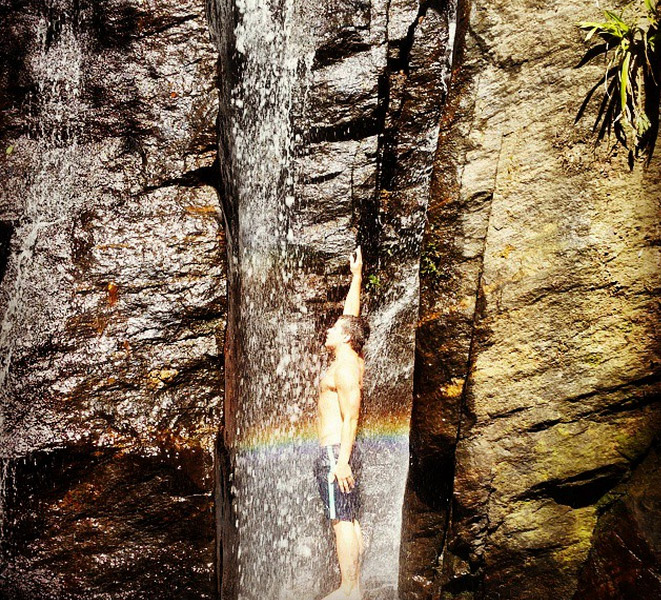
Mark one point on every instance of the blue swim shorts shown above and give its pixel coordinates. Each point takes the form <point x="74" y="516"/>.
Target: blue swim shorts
<point x="337" y="504"/>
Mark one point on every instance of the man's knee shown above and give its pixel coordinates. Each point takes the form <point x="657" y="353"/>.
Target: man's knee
<point x="345" y="532"/>
<point x="342" y="525"/>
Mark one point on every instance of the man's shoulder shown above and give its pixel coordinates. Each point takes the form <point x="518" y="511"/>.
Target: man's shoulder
<point x="347" y="368"/>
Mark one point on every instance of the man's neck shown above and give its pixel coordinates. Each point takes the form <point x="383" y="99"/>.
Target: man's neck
<point x="344" y="351"/>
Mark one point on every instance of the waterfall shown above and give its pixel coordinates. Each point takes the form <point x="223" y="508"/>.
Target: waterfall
<point x="273" y="391"/>
<point x="296" y="165"/>
<point x="35" y="281"/>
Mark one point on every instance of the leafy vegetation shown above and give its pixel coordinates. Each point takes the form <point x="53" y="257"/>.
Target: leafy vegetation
<point x="432" y="260"/>
<point x="631" y="48"/>
<point x="373" y="283"/>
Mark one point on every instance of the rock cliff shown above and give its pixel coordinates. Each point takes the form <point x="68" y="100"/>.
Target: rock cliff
<point x="534" y="436"/>
<point x="537" y="369"/>
<point x="113" y="300"/>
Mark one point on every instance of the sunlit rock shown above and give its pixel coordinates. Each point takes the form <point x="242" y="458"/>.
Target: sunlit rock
<point x="537" y="373"/>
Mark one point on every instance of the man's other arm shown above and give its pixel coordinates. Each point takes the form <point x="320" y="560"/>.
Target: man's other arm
<point x="348" y="392"/>
<point x="352" y="303"/>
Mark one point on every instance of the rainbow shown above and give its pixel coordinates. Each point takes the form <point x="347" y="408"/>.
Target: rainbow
<point x="390" y="428"/>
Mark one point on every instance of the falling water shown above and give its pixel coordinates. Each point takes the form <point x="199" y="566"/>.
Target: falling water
<point x="281" y="546"/>
<point x="36" y="279"/>
<point x="274" y="388"/>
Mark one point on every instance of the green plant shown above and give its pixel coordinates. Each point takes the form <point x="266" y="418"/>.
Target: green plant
<point x="431" y="263"/>
<point x="631" y="47"/>
<point x="428" y="266"/>
<point x="373" y="283"/>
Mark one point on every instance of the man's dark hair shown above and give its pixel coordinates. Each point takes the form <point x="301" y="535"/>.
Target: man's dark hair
<point x="357" y="329"/>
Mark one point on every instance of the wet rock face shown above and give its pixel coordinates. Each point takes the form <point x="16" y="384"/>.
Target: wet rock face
<point x="86" y="519"/>
<point x="365" y="82"/>
<point x="537" y="370"/>
<point x="113" y="299"/>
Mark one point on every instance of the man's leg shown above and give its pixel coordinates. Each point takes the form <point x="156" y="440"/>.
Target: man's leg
<point x="359" y="537"/>
<point x="348" y="553"/>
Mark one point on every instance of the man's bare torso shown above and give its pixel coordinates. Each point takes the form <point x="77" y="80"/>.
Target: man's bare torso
<point x="329" y="415"/>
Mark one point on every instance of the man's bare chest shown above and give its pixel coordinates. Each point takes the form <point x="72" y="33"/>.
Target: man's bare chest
<point x="327" y="382"/>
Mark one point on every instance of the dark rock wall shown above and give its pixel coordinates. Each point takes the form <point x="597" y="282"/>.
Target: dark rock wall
<point x="113" y="300"/>
<point x="537" y="367"/>
<point x="625" y="552"/>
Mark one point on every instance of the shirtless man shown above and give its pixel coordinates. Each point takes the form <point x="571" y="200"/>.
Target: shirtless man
<point x="338" y="465"/>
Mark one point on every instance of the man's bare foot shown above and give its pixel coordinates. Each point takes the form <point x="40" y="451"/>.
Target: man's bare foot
<point x="342" y="594"/>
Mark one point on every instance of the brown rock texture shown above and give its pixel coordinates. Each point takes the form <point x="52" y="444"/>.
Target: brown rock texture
<point x="535" y="451"/>
<point x="626" y="544"/>
<point x="112" y="298"/>
<point x="537" y="369"/>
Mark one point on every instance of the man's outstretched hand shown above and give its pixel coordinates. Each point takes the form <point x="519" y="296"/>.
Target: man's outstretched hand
<point x="352" y="303"/>
<point x="356" y="261"/>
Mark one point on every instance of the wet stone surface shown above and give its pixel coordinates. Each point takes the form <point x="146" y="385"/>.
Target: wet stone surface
<point x="112" y="294"/>
<point x="96" y="523"/>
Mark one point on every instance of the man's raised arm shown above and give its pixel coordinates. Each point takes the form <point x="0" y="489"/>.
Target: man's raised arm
<point x="352" y="303"/>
